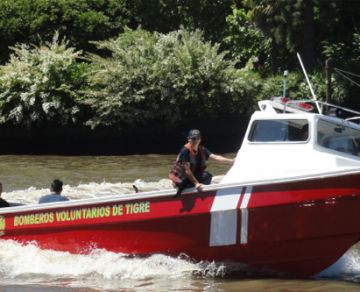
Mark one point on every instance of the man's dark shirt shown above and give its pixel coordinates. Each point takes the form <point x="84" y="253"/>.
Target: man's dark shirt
<point x="3" y="203"/>
<point x="184" y="156"/>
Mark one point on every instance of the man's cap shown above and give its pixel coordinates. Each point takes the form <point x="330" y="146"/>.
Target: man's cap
<point x="194" y="133"/>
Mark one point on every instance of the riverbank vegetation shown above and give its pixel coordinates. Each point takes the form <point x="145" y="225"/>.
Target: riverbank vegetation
<point x="121" y="66"/>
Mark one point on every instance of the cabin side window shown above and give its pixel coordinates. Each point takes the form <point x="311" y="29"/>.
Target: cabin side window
<point x="338" y="137"/>
<point x="293" y="130"/>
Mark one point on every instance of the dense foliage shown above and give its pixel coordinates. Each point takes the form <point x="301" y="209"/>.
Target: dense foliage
<point x="25" y="21"/>
<point x="297" y="87"/>
<point x="127" y="63"/>
<point x="41" y="84"/>
<point x="166" y="77"/>
<point x="244" y="40"/>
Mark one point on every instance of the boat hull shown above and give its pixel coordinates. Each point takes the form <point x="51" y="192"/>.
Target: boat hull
<point x="297" y="227"/>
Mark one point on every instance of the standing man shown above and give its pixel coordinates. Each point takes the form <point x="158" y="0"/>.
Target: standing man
<point x="55" y="196"/>
<point x="3" y="203"/>
<point x="190" y="165"/>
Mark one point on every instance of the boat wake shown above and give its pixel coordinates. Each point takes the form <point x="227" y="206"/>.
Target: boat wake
<point x="346" y="268"/>
<point x="31" y="195"/>
<point x="28" y="264"/>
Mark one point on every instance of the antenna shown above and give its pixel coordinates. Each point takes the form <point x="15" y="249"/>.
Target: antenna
<point x="308" y="82"/>
<point x="286" y="72"/>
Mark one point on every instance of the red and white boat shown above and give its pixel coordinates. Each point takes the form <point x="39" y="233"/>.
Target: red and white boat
<point x="290" y="203"/>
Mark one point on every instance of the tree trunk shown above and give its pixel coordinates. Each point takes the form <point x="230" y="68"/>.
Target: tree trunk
<point x="308" y="49"/>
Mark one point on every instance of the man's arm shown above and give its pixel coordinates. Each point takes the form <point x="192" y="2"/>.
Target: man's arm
<point x="191" y="177"/>
<point x="221" y="158"/>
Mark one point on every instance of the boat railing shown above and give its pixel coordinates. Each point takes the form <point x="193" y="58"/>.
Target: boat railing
<point x="353" y="118"/>
<point x="326" y="108"/>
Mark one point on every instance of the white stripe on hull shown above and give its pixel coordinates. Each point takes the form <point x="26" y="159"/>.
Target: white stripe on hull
<point x="245" y="216"/>
<point x="223" y="224"/>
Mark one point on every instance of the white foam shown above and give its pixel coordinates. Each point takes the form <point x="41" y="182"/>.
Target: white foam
<point x="30" y="264"/>
<point x="106" y="264"/>
<point x="345" y="268"/>
<point x="91" y="190"/>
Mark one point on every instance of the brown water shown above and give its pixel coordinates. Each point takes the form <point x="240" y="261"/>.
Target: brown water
<point x="19" y="172"/>
<point x="25" y="178"/>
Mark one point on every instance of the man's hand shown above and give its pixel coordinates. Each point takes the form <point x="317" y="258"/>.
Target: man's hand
<point x="191" y="177"/>
<point x="222" y="159"/>
<point x="199" y="186"/>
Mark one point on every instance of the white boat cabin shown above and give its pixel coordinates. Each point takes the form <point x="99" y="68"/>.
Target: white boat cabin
<point x="287" y="139"/>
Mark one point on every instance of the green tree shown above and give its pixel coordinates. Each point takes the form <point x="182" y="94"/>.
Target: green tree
<point x="245" y="41"/>
<point x="168" y="77"/>
<point x="297" y="87"/>
<point x="25" y="21"/>
<point x="303" y="26"/>
<point x="42" y="84"/>
<point x="290" y="28"/>
<point x="166" y="16"/>
<point x="345" y="57"/>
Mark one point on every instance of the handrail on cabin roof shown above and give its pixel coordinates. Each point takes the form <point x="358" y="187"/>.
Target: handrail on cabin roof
<point x="299" y="105"/>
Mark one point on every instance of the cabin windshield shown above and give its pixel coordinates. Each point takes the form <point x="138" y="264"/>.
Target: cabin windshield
<point x="338" y="137"/>
<point x="279" y="130"/>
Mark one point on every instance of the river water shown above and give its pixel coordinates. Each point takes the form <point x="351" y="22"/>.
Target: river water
<point x="28" y="268"/>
